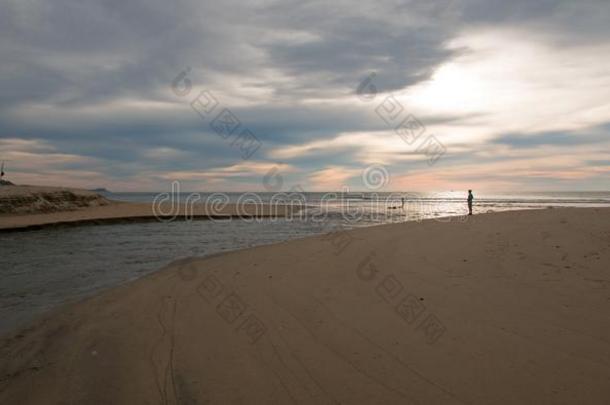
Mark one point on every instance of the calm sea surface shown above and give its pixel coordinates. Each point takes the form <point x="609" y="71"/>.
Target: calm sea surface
<point x="42" y="269"/>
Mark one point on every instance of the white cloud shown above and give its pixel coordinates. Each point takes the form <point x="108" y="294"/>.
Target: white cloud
<point x="517" y="81"/>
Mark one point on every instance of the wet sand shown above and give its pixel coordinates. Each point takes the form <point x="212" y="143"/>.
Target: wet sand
<point x="505" y="308"/>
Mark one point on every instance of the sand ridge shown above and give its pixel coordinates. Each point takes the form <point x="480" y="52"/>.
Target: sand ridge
<point x="25" y="208"/>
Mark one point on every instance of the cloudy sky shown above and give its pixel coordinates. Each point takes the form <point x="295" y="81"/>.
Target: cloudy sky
<point x="486" y="94"/>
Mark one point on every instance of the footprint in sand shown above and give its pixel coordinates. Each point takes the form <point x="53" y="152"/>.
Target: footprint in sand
<point x="497" y="245"/>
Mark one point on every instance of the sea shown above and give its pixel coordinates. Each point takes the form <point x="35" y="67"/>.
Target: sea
<point x="43" y="269"/>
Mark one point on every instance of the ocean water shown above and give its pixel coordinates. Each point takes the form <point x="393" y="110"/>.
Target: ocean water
<point x="377" y="207"/>
<point x="45" y="268"/>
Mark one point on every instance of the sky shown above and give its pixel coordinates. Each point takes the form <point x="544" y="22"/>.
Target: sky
<point x="428" y="95"/>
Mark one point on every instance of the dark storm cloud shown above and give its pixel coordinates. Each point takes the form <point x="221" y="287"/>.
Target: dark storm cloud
<point x="349" y="41"/>
<point x="68" y="51"/>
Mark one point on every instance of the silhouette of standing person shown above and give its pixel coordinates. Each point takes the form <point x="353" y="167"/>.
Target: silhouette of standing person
<point x="470" y="198"/>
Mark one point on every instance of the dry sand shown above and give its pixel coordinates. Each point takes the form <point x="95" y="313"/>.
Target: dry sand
<point x="506" y="308"/>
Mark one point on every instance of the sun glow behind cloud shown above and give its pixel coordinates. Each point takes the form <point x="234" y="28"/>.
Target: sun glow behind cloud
<point x="520" y="82"/>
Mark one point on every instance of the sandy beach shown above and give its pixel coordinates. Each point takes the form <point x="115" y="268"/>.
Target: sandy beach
<point x="280" y="202"/>
<point x="504" y="308"/>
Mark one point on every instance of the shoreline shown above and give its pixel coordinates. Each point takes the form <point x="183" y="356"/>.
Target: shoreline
<point x="520" y="298"/>
<point x="26" y="208"/>
<point x="332" y="236"/>
<point x="127" y="220"/>
<point x="118" y="212"/>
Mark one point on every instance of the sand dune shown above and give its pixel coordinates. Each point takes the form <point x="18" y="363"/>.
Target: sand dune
<point x="504" y="308"/>
<point x="38" y="199"/>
